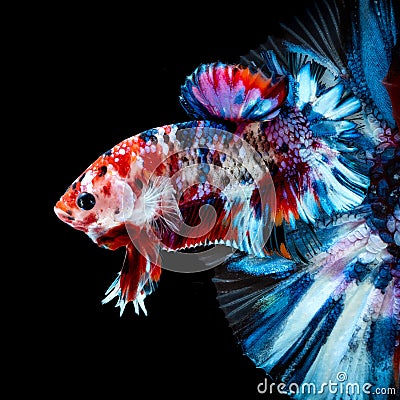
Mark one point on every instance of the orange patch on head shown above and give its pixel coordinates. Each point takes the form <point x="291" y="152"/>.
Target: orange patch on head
<point x="61" y="206"/>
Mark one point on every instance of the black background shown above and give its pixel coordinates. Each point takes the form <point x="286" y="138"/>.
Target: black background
<point x="107" y="74"/>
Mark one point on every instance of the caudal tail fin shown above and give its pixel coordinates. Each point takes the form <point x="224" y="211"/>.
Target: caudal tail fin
<point x="333" y="319"/>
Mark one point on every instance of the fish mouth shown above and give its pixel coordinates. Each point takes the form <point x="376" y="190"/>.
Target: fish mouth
<point x="63" y="215"/>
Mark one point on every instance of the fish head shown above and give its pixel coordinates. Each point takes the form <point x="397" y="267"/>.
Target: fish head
<point x="100" y="202"/>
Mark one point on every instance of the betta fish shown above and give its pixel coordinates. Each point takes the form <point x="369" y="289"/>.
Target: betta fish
<point x="290" y="163"/>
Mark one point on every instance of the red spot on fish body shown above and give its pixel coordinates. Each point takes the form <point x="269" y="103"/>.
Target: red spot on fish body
<point x="106" y="190"/>
<point x="89" y="219"/>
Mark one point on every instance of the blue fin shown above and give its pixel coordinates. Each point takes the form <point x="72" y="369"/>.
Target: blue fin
<point x="353" y="40"/>
<point x="338" y="310"/>
<point x="375" y="30"/>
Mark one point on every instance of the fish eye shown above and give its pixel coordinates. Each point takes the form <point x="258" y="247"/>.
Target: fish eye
<point x="86" y="201"/>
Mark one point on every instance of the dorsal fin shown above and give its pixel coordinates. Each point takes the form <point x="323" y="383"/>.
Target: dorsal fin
<point x="352" y="39"/>
<point x="220" y="91"/>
